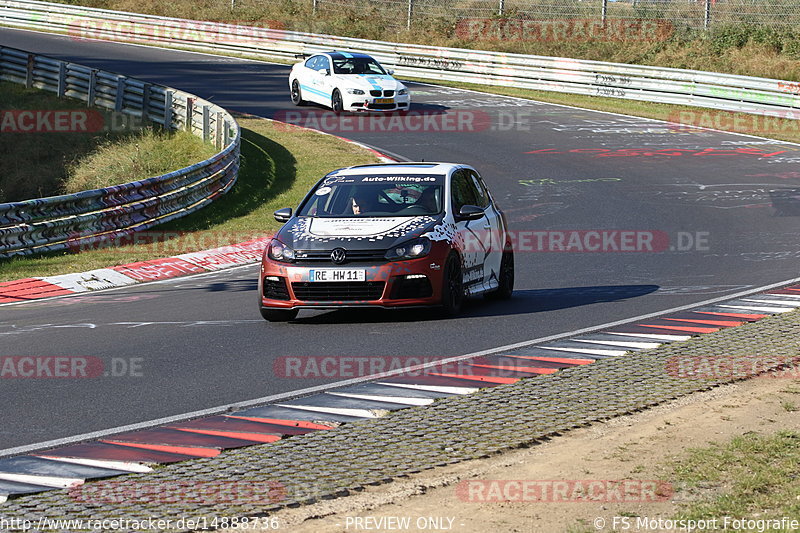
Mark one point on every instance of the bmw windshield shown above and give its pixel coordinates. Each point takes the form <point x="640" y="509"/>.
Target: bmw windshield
<point x="375" y="196"/>
<point x="356" y="65"/>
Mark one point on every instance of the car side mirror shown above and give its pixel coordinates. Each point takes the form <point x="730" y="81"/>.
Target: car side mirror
<point x="283" y="215"/>
<point x="390" y="71"/>
<point x="470" y="212"/>
<point x="325" y="72"/>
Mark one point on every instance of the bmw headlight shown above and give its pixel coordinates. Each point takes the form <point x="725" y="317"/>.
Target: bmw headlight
<point x="403" y="91"/>
<point x="410" y="250"/>
<point x="355" y="91"/>
<point x="278" y="251"/>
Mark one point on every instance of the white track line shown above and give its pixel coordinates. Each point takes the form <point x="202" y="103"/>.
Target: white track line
<point x="662" y="337"/>
<point x="588" y="351"/>
<point x="752" y="308"/>
<point x="402" y="400"/>
<point x="642" y="345"/>
<point x="444" y="389"/>
<point x="361" y="413"/>
<point x="772" y="302"/>
<point x="123" y="466"/>
<point x="43" y="481"/>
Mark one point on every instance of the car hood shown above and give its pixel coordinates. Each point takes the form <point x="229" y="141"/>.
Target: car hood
<point x="353" y="233"/>
<point x="369" y="82"/>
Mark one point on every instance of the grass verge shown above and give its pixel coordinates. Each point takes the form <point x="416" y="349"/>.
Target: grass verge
<point x="753" y="477"/>
<point x="76" y="148"/>
<point x="151" y="152"/>
<point x="279" y="165"/>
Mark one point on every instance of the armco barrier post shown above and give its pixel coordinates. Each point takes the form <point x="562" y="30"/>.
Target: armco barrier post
<point x="189" y="113"/>
<point x="120" y="97"/>
<point x="218" y="131"/>
<point x="146" y="102"/>
<point x="168" y="109"/>
<point x="29" y="71"/>
<point x="90" y="94"/>
<point x="206" y="123"/>
<point x="62" y="79"/>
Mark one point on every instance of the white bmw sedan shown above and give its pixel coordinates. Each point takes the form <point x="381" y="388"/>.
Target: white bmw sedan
<point x="347" y="81"/>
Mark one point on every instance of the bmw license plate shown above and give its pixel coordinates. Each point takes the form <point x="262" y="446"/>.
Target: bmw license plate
<point x="384" y="100"/>
<point x="336" y="274"/>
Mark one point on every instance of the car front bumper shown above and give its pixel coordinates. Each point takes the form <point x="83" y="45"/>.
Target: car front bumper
<point x="366" y="103"/>
<point x="409" y="283"/>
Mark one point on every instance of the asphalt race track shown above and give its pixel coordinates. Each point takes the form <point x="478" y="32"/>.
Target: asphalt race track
<point x="707" y="200"/>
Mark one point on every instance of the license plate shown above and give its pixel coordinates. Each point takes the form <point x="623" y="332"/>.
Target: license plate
<point x="384" y="100"/>
<point x="336" y="274"/>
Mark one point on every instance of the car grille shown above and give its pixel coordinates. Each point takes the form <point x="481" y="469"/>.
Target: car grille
<point x="337" y="291"/>
<point x="353" y="256"/>
<point x="275" y="289"/>
<point x="388" y="93"/>
<point x="375" y="93"/>
<point x="381" y="106"/>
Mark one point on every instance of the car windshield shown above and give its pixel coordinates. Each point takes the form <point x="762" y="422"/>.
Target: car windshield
<point x="357" y="65"/>
<point x="375" y="196"/>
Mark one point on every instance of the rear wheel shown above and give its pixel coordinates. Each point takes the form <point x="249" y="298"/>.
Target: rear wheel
<point x="506" y="277"/>
<point x="297" y="96"/>
<point x="336" y="101"/>
<point x="452" y="286"/>
<point x="279" y="315"/>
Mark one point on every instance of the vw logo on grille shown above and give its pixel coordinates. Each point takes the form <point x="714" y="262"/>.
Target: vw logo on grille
<point x="338" y="255"/>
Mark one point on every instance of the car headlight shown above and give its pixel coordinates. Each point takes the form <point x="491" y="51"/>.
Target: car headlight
<point x="410" y="250"/>
<point x="355" y="91"/>
<point x="277" y="251"/>
<point x="403" y="91"/>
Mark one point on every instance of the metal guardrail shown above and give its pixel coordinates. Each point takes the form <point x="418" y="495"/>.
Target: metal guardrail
<point x="74" y="220"/>
<point x="728" y="92"/>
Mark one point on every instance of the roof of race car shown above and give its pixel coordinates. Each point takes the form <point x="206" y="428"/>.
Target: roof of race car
<point x="393" y="168"/>
<point x="346" y="55"/>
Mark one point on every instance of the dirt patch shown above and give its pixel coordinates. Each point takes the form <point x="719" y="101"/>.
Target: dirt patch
<point x="638" y="447"/>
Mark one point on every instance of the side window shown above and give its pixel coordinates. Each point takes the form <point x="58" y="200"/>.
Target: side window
<point x="312" y="62"/>
<point x="462" y="191"/>
<point x="481" y="193"/>
<point x="323" y="63"/>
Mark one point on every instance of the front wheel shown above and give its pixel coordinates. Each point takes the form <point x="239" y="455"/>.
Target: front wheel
<point x="297" y="96"/>
<point x="452" y="287"/>
<point x="278" y="315"/>
<point x="336" y="101"/>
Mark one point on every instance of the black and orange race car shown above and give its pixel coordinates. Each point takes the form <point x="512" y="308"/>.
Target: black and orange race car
<point x="388" y="235"/>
